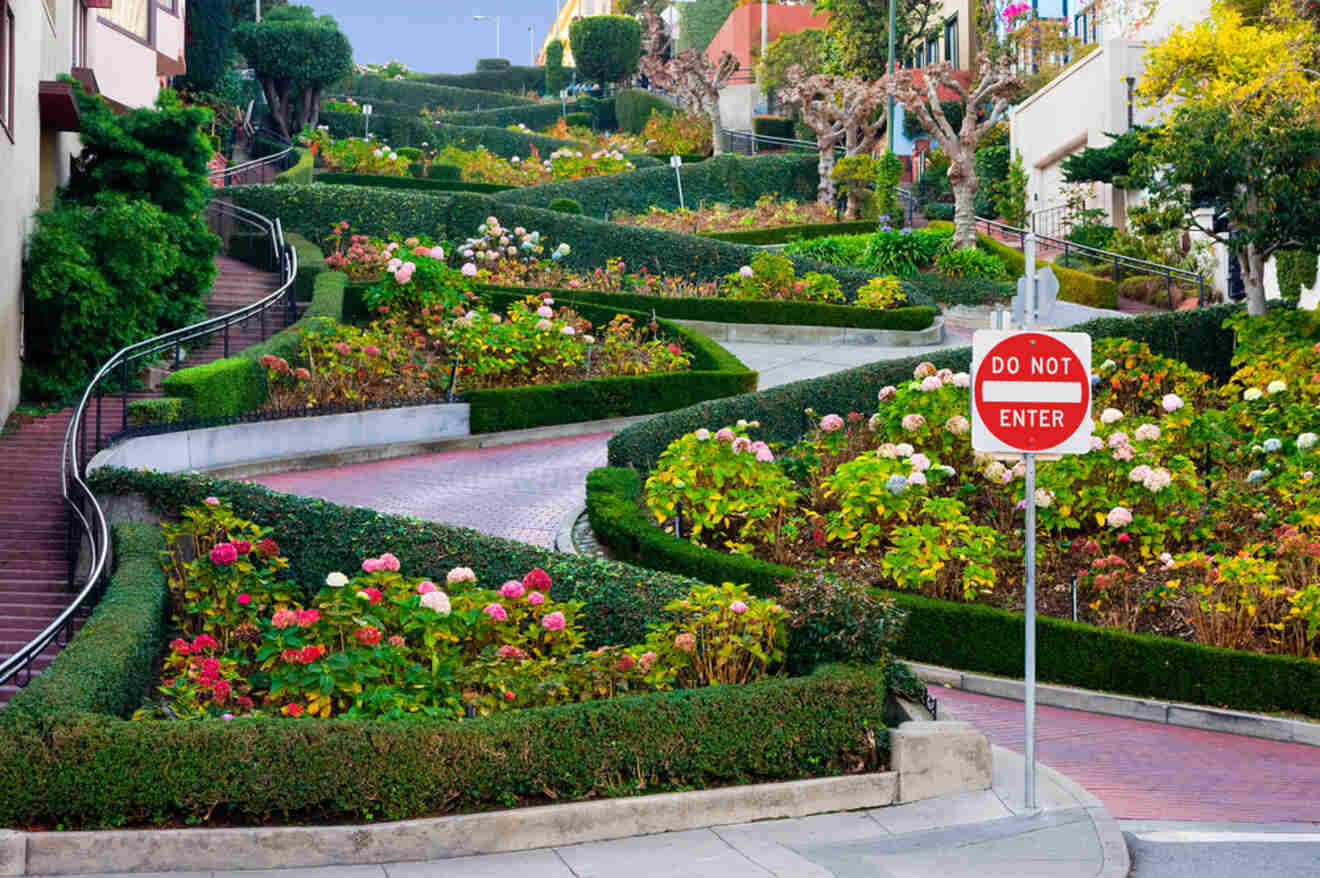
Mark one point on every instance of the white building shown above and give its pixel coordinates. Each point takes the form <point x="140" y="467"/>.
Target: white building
<point x="122" y="48"/>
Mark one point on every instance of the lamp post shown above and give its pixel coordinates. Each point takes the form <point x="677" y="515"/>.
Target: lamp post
<point x="890" y="121"/>
<point x="497" y="29"/>
<point x="531" y="45"/>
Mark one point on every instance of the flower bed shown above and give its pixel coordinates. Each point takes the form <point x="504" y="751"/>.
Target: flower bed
<point x="768" y="211"/>
<point x="66" y="759"/>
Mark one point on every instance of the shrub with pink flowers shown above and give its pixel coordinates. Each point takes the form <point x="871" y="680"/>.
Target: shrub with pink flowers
<point x="379" y="642"/>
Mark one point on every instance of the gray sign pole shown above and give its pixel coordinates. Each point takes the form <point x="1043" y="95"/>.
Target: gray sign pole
<point x="1029" y="675"/>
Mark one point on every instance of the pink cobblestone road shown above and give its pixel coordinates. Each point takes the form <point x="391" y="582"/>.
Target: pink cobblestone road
<point x="523" y="492"/>
<point x="1150" y="771"/>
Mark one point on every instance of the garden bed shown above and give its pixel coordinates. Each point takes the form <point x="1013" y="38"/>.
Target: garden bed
<point x="69" y="758"/>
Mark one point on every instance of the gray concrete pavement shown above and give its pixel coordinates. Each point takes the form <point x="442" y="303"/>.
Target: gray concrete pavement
<point x="1179" y="849"/>
<point x="784" y="363"/>
<point x="970" y="835"/>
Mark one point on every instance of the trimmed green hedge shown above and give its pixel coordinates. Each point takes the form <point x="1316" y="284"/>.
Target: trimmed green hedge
<point x="801" y="232"/>
<point x="1196" y="337"/>
<point x="108" y="666"/>
<point x="1296" y="269"/>
<point x="311" y="264"/>
<point x="633" y="107"/>
<point x="959" y="291"/>
<point x="773" y="126"/>
<point x="311" y="209"/>
<point x="911" y="318"/>
<point x="158" y="410"/>
<point x="614" y="505"/>
<point x="729" y="179"/>
<point x="538" y="115"/>
<point x="512" y="79"/>
<point x="102" y="772"/>
<point x="1074" y="286"/>
<point x="415" y="95"/>
<point x="397" y="129"/>
<point x="424" y="184"/>
<point x="971" y="637"/>
<point x="301" y="172"/>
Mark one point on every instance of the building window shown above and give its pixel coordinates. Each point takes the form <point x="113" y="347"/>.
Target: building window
<point x="7" y="68"/>
<point x="951" y="41"/>
<point x="170" y="6"/>
<point x="133" y="17"/>
<point x="932" y="50"/>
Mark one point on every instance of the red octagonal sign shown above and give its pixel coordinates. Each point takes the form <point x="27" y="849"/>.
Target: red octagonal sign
<point x="1031" y="391"/>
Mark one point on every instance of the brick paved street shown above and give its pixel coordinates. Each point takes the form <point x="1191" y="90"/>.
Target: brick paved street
<point x="523" y="492"/>
<point x="1150" y="771"/>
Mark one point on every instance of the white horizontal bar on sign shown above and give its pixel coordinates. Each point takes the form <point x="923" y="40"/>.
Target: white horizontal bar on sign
<point x="1031" y="391"/>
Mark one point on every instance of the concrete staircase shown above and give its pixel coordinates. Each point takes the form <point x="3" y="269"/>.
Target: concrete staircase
<point x="34" y="557"/>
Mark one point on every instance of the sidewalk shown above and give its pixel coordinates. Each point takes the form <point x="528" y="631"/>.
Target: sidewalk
<point x="972" y="835"/>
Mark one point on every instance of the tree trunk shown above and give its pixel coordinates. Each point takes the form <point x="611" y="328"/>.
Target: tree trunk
<point x="715" y="127"/>
<point x="277" y="108"/>
<point x="317" y="95"/>
<point x="962" y="177"/>
<point x="825" y="191"/>
<point x="1253" y="278"/>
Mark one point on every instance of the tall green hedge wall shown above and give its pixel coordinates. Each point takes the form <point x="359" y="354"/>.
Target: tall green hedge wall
<point x="539" y="116"/>
<point x="415" y="94"/>
<point x="511" y="79"/>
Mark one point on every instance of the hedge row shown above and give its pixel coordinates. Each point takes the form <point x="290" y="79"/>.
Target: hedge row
<point x="511" y="79"/>
<point x="396" y="129"/>
<point x="301" y="172"/>
<point x="1196" y="337"/>
<point x="311" y="209"/>
<point x="311" y="264"/>
<point x="614" y="506"/>
<point x="728" y="179"/>
<point x="1074" y="286"/>
<point x="237" y="384"/>
<point x="108" y="666"/>
<point x="539" y="116"/>
<point x="916" y="317"/>
<point x="416" y="95"/>
<point x="420" y="183"/>
<point x="971" y="637"/>
<point x="634" y="106"/>
<point x="509" y="143"/>
<point x="801" y="232"/>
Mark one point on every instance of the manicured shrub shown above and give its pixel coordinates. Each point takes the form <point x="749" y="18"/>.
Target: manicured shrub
<point x="416" y="94"/>
<point x="959" y="291"/>
<point x="554" y="67"/>
<point x="535" y="117"/>
<point x="729" y="179"/>
<point x="937" y="211"/>
<point x="221" y="388"/>
<point x="802" y="232"/>
<point x="514" y="80"/>
<point x="107" y="668"/>
<point x="442" y="171"/>
<point x="633" y="107"/>
<point x="380" y="181"/>
<point x="301" y="172"/>
<point x="1296" y="269"/>
<point x="605" y="47"/>
<point x="578" y="120"/>
<point x="493" y="64"/>
<point x="158" y="410"/>
<point x="970" y="264"/>
<point x="566" y="205"/>
<point x="311" y="263"/>
<point x="773" y="126"/>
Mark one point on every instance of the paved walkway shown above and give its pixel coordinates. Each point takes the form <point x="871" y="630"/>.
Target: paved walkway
<point x="1150" y="771"/>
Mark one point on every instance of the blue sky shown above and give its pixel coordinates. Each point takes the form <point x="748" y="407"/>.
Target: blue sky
<point x="438" y="36"/>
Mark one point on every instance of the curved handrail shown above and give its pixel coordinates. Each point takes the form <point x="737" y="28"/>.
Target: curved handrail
<point x="226" y="176"/>
<point x="88" y="521"/>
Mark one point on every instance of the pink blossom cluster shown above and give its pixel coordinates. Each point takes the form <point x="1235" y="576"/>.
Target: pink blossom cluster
<point x="385" y="562"/>
<point x="831" y="423"/>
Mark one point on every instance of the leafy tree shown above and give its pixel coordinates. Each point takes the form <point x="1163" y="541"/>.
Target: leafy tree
<point x="554" y="67"/>
<point x="209" y="43"/>
<point x="912" y="127"/>
<point x="996" y="84"/>
<point x="606" y="48"/>
<point x="1243" y="135"/>
<point x="699" y="22"/>
<point x="640" y="7"/>
<point x="859" y="33"/>
<point x="295" y="56"/>
<point x="806" y="48"/>
<point x="1111" y="163"/>
<point x="246" y="10"/>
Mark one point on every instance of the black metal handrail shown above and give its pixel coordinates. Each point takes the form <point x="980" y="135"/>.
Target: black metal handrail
<point x="254" y="170"/>
<point x="1050" y="220"/>
<point x="1118" y="260"/>
<point x="87" y="521"/>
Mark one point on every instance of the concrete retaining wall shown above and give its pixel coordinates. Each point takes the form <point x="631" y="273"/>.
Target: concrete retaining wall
<point x="216" y="447"/>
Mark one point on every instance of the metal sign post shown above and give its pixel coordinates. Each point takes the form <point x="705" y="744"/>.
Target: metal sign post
<point x="563" y="103"/>
<point x="366" y="121"/>
<point x="1031" y="394"/>
<point x="676" y="162"/>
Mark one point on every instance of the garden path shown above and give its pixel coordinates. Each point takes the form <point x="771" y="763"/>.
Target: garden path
<point x="1151" y="771"/>
<point x="34" y="558"/>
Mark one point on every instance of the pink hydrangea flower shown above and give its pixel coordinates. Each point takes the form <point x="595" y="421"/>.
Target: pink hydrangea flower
<point x="920" y="463"/>
<point x="957" y="425"/>
<point x="924" y="370"/>
<point x="1118" y="517"/>
<point x="437" y="601"/>
<point x="426" y="586"/>
<point x="460" y="574"/>
<point x="370" y="565"/>
<point x="962" y="379"/>
<point x="916" y="478"/>
<point x="223" y="554"/>
<point x="741" y="444"/>
<point x="831" y="423"/>
<point x="205" y="641"/>
<point x="212" y="501"/>
<point x="1097" y="443"/>
<point x="284" y="619"/>
<point x="930" y="384"/>
<point x="686" y="642"/>
<point x="646" y="660"/>
<point x="513" y="589"/>
<point x="702" y="434"/>
<point x="372" y="595"/>
<point x="496" y="612"/>
<point x="536" y="598"/>
<point x="724" y="434"/>
<point x="537" y="580"/>
<point x="545" y="311"/>
<point x="737" y="607"/>
<point x="389" y="562"/>
<point x="913" y="423"/>
<point x="1147" y="433"/>
<point x="887" y="393"/>
<point x="554" y="621"/>
<point x="765" y="455"/>
<point x="308" y="618"/>
<point x="469" y="270"/>
<point x="244" y="599"/>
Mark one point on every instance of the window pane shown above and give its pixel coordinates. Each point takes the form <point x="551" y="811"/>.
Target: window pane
<point x="131" y="15"/>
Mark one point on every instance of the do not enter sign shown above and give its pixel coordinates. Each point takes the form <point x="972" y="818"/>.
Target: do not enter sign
<point x="1031" y="391"/>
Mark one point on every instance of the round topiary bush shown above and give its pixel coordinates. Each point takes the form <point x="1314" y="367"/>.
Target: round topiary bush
<point x="578" y="120"/>
<point x="565" y="205"/>
<point x="442" y="171"/>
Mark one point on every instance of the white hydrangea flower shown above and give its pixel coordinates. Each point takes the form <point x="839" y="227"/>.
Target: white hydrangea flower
<point x="336" y="580"/>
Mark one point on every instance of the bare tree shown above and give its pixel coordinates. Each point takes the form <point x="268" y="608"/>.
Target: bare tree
<point x="691" y="76"/>
<point x="918" y="91"/>
<point x="838" y="109"/>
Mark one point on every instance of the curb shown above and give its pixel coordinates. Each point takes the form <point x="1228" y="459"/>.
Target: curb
<point x="564" y="536"/>
<point x="775" y="333"/>
<point x="199" y="850"/>
<point x="1171" y="713"/>
<point x="1117" y="859"/>
<point x="371" y="453"/>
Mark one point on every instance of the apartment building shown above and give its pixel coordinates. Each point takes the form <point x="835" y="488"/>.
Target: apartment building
<point x="124" y="49"/>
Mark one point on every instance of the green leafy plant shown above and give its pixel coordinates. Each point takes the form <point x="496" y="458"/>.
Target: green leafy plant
<point x="605" y="47"/>
<point x="970" y="263"/>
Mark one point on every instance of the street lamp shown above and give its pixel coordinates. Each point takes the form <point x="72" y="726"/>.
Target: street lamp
<point x="497" y="29"/>
<point x="531" y="45"/>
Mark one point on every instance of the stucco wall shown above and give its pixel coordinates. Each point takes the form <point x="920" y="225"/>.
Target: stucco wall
<point x="741" y="31"/>
<point x="125" y="69"/>
<point x="169" y="31"/>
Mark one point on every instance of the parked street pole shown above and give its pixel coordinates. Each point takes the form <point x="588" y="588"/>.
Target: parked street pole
<point x="890" y="124"/>
<point x="1029" y="672"/>
<point x="676" y="162"/>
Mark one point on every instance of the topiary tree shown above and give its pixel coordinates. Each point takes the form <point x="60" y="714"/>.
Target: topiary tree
<point x="995" y="86"/>
<point x="851" y="111"/>
<point x="209" y="42"/>
<point x="554" y="67"/>
<point x="296" y="57"/>
<point x="606" y="48"/>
